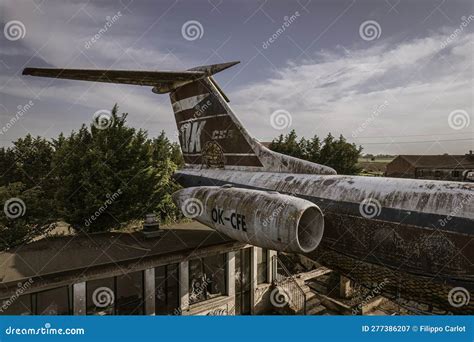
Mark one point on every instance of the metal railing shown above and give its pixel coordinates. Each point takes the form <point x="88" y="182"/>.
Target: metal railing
<point x="283" y="279"/>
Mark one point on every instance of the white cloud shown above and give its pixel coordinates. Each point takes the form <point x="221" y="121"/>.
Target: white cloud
<point x="70" y="104"/>
<point x="338" y="91"/>
<point x="57" y="33"/>
<point x="60" y="38"/>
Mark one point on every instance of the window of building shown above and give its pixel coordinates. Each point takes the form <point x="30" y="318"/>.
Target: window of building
<point x="129" y="299"/>
<point x="21" y="305"/>
<point x="419" y="173"/>
<point x="242" y="282"/>
<point x="437" y="173"/>
<point x="262" y="265"/>
<point x="53" y="302"/>
<point x="207" y="278"/>
<point x="166" y="289"/>
<point x="455" y="174"/>
<point x="122" y="295"/>
<point x="100" y="296"/>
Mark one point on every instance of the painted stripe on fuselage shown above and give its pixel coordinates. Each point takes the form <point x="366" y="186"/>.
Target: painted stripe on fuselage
<point x="426" y="220"/>
<point x="201" y="118"/>
<point x="188" y="103"/>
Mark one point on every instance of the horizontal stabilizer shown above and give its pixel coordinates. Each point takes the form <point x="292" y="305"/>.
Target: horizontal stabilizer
<point x="162" y="81"/>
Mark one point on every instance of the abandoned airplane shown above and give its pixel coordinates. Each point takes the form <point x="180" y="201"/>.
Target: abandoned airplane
<point x="416" y="237"/>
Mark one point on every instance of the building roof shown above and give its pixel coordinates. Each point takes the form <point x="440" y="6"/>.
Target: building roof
<point x="71" y="254"/>
<point x="450" y="161"/>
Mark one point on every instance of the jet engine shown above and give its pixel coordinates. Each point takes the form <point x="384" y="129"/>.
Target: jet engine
<point x="265" y="219"/>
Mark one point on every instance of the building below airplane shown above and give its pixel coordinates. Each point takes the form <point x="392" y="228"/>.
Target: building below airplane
<point x="184" y="269"/>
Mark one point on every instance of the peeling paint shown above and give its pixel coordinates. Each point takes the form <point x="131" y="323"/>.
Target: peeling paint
<point x="262" y="218"/>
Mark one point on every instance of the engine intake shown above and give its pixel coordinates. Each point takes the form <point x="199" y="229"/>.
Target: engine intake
<point x="260" y="218"/>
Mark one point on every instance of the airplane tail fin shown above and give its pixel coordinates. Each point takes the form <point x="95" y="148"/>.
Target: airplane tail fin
<point x="210" y="134"/>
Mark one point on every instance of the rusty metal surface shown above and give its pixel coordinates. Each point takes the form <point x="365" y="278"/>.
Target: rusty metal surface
<point x="137" y="77"/>
<point x="423" y="228"/>
<point x="439" y="198"/>
<point x="404" y="288"/>
<point x="162" y="81"/>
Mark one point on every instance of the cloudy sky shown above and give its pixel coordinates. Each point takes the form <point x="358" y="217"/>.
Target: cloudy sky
<point x="394" y="76"/>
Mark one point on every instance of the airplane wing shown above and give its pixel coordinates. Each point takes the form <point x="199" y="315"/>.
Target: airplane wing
<point x="147" y="78"/>
<point x="162" y="81"/>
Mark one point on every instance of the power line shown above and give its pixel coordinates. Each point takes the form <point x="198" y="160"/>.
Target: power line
<point x="413" y="135"/>
<point x="414" y="142"/>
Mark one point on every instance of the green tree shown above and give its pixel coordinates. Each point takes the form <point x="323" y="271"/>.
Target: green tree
<point x="27" y="213"/>
<point x="9" y="171"/>
<point x="28" y="161"/>
<point x="26" y="187"/>
<point x="340" y="155"/>
<point x="289" y="145"/>
<point x="336" y="153"/>
<point x="113" y="175"/>
<point x="163" y="148"/>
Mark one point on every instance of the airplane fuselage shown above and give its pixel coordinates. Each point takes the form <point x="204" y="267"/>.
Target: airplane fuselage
<point x="412" y="236"/>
